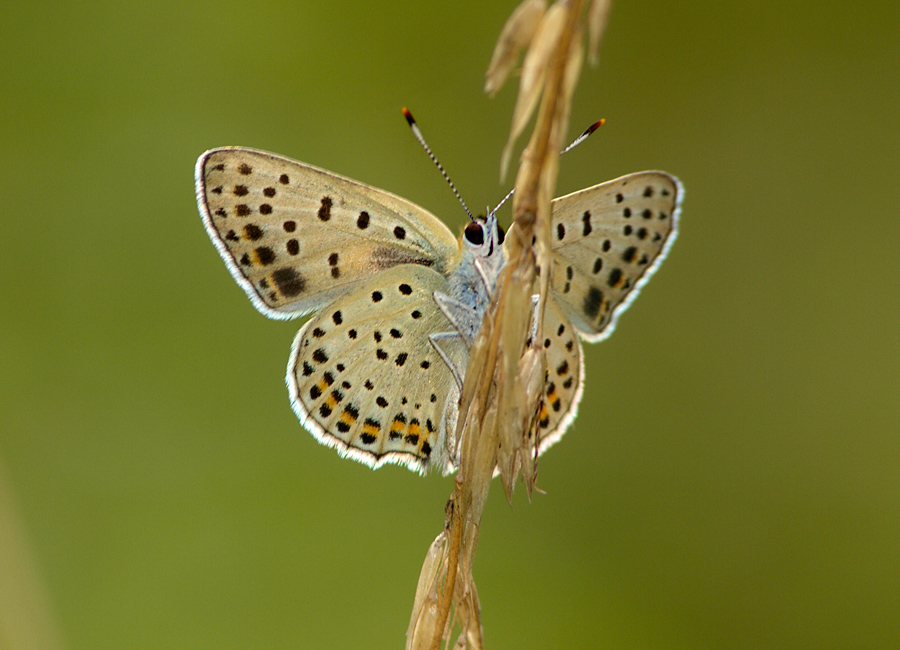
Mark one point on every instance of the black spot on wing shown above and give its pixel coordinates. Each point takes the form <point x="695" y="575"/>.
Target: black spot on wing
<point x="324" y="213"/>
<point x="265" y="255"/>
<point x="593" y="301"/>
<point x="615" y="276"/>
<point x="289" y="282"/>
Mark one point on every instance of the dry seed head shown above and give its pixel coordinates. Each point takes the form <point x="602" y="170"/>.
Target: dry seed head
<point x="540" y="51"/>
<point x="501" y="393"/>
<point x="516" y="34"/>
<point x="598" y="16"/>
<point x="422" y="622"/>
<point x="573" y="64"/>
<point x="570" y="81"/>
<point x="518" y="436"/>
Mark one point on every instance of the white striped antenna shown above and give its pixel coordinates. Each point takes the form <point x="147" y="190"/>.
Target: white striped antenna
<point x="577" y="141"/>
<point x="418" y="135"/>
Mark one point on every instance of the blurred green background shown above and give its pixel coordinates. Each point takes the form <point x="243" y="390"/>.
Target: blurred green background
<point x="733" y="479"/>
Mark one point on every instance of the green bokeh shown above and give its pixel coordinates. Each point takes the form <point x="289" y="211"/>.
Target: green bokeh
<point x="733" y="478"/>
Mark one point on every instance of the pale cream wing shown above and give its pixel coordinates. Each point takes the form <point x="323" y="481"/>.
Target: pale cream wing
<point x="565" y="376"/>
<point x="295" y="237"/>
<point x="607" y="242"/>
<point x="364" y="378"/>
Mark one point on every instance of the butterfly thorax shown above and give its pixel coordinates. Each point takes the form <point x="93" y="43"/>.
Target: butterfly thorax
<point x="470" y="285"/>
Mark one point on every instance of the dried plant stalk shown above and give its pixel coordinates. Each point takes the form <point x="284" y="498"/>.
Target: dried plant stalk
<point x="504" y="381"/>
<point x="598" y="16"/>
<point x="534" y="68"/>
<point x="517" y="33"/>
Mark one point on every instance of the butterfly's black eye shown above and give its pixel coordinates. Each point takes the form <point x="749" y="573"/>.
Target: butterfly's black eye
<point x="474" y="234"/>
<point x="500" y="234"/>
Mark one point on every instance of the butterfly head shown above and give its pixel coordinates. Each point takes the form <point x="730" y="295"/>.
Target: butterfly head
<point x="483" y="236"/>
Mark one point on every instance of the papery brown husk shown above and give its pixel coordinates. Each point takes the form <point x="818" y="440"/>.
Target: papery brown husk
<point x="504" y="381"/>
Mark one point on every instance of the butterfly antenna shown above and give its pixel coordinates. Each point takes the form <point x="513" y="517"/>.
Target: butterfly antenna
<point x="504" y="200"/>
<point x="418" y="135"/>
<point x="577" y="141"/>
<point x="584" y="136"/>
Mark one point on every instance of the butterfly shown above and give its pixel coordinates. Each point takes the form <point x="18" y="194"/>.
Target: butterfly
<point x="397" y="299"/>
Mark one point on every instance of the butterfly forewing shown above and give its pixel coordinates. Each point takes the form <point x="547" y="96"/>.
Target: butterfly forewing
<point x="607" y="242"/>
<point x="295" y="237"/>
<point x="364" y="377"/>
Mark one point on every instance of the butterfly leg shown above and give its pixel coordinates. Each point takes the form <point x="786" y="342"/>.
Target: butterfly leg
<point x="441" y="339"/>
<point x="483" y="274"/>
<point x="462" y="316"/>
<point x="534" y="318"/>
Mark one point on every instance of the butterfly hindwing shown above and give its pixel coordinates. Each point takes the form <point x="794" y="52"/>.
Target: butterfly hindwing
<point x="295" y="236"/>
<point x="607" y="242"/>
<point x="364" y="378"/>
<point x="565" y="376"/>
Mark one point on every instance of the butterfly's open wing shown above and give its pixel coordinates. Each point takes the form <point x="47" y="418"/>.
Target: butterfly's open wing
<point x="607" y="242"/>
<point x="565" y="377"/>
<point x="364" y="378"/>
<point x="294" y="236"/>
